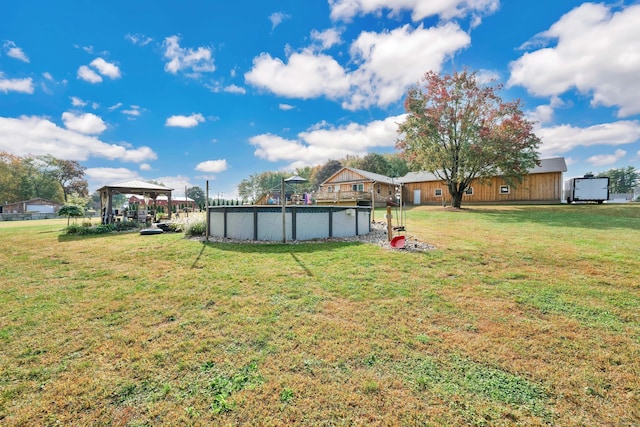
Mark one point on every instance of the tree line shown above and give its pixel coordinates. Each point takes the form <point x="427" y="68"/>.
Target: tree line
<point x="30" y="177"/>
<point x="621" y="180"/>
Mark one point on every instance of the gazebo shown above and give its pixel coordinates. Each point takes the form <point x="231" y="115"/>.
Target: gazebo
<point x="145" y="189"/>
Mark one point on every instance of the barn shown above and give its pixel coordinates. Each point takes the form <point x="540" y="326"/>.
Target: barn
<point x="542" y="184"/>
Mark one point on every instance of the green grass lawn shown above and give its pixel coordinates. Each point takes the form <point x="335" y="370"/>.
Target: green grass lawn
<point x="523" y="315"/>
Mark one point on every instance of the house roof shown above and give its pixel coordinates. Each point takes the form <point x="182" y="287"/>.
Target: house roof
<point x="37" y="199"/>
<point x="555" y="164"/>
<point x="376" y="177"/>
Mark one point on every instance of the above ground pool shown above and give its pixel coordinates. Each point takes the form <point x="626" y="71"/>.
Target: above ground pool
<point x="301" y="222"/>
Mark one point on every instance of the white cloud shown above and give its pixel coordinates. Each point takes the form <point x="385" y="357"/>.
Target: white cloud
<point x="99" y="177"/>
<point x="133" y="111"/>
<point x="16" y="85"/>
<point x="544" y="114"/>
<point x="178" y="183"/>
<point x="88" y="123"/>
<point x="235" y="89"/>
<point x="327" y="38"/>
<point x="145" y="167"/>
<point x="277" y="18"/>
<point x="115" y="106"/>
<point x="285" y="107"/>
<point x="322" y="143"/>
<point x="597" y="52"/>
<point x="14" y="51"/>
<point x="212" y="166"/>
<point x="105" y="68"/>
<point x="606" y="159"/>
<point x="102" y="67"/>
<point x="77" y="102"/>
<point x="88" y="75"/>
<point x="306" y="75"/>
<point x="196" y="61"/>
<point x="446" y="9"/>
<point x="388" y="63"/>
<point x="36" y="135"/>
<point x="138" y="39"/>
<point x="557" y="140"/>
<point x="185" y="121"/>
<point x="47" y="76"/>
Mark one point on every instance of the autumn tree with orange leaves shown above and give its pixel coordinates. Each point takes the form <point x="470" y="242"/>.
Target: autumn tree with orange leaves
<point x="460" y="129"/>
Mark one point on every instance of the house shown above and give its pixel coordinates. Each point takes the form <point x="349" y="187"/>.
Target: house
<point x="38" y="204"/>
<point x="542" y="184"/>
<point x="350" y="186"/>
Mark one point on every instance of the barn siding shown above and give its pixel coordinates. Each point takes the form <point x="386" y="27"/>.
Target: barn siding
<point x="543" y="187"/>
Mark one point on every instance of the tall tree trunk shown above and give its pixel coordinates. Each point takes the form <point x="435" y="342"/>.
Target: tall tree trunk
<point x="456" y="199"/>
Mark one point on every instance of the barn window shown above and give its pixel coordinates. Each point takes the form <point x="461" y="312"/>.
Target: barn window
<point x="504" y="189"/>
<point x="378" y="188"/>
<point x="438" y="192"/>
<point x="357" y="187"/>
<point x="469" y="191"/>
<point x="329" y="189"/>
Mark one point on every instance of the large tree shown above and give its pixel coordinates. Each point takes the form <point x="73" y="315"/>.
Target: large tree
<point x="70" y="175"/>
<point x="372" y="162"/>
<point x="622" y="180"/>
<point x="460" y="129"/>
<point x="325" y="172"/>
<point x="252" y="188"/>
<point x="11" y="172"/>
<point x="197" y="194"/>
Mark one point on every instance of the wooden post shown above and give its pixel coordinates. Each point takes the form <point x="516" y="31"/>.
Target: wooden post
<point x="283" y="199"/>
<point x="206" y="212"/>
<point x="389" y="226"/>
<point x="373" y="203"/>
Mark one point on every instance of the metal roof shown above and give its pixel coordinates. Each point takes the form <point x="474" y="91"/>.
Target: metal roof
<point x="374" y="176"/>
<point x="555" y="164"/>
<point x="136" y="184"/>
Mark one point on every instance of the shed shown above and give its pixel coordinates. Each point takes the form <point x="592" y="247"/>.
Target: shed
<point x="145" y="189"/>
<point x="542" y="184"/>
<point x="34" y="205"/>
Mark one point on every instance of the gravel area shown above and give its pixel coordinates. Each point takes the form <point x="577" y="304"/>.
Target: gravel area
<point x="378" y="236"/>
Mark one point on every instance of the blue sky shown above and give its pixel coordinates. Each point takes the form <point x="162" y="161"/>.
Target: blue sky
<point x="185" y="92"/>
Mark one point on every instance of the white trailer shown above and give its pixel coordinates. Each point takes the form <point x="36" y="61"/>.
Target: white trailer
<point x="587" y="189"/>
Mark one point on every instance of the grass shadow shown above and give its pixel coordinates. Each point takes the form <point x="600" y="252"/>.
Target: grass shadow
<point x="302" y="265"/>
<point x="280" y="248"/>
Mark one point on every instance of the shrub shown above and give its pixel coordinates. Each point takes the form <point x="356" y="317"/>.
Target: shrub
<point x="77" y="229"/>
<point x="103" y="228"/>
<point x="196" y="228"/>
<point x="99" y="229"/>
<point x="125" y="225"/>
<point x="175" y="227"/>
<point x="71" y="211"/>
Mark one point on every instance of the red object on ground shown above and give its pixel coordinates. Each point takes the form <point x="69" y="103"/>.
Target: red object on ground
<point x="398" y="242"/>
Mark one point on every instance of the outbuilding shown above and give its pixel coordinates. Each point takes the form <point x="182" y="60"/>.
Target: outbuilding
<point x="38" y="204"/>
<point x="542" y="184"/>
